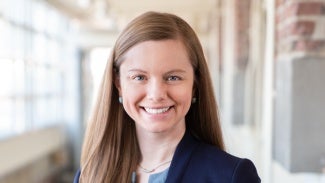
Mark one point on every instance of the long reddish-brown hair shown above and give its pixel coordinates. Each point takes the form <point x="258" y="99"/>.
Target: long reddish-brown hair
<point x="110" y="151"/>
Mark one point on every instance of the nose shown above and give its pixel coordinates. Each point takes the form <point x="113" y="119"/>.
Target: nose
<point x="156" y="90"/>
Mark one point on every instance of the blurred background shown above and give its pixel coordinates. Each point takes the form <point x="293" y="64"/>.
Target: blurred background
<point x="266" y="58"/>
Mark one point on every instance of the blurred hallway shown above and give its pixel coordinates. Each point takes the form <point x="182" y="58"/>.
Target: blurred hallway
<point x="266" y="58"/>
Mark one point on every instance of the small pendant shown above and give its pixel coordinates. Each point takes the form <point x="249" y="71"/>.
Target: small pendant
<point x="154" y="169"/>
<point x="146" y="170"/>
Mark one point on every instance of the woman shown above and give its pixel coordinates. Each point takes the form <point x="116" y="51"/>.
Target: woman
<point x="156" y="117"/>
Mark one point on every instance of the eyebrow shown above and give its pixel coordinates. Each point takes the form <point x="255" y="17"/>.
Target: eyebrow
<point x="169" y="72"/>
<point x="176" y="71"/>
<point x="136" y="70"/>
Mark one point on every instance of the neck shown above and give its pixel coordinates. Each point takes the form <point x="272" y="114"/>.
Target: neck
<point x="157" y="148"/>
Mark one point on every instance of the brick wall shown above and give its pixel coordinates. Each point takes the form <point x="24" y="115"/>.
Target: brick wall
<point x="299" y="74"/>
<point x="242" y="16"/>
<point x="300" y="27"/>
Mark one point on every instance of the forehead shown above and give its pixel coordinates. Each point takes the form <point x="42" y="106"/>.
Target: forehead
<point x="162" y="54"/>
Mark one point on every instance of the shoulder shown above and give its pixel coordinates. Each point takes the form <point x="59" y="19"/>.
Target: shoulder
<point x="76" y="177"/>
<point x="211" y="154"/>
<point x="215" y="164"/>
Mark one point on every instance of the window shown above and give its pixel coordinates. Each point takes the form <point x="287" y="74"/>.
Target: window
<point x="33" y="91"/>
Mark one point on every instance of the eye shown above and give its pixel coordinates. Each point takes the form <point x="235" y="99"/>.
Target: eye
<point x="173" y="78"/>
<point x="138" y="77"/>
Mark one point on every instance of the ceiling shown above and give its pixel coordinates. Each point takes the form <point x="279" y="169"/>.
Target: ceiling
<point x="104" y="17"/>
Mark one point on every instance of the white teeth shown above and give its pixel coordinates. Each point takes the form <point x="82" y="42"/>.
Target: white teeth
<point x="156" y="111"/>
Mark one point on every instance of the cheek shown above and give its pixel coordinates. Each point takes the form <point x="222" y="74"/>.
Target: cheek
<point x="183" y="96"/>
<point x="131" y="92"/>
<point x="131" y="97"/>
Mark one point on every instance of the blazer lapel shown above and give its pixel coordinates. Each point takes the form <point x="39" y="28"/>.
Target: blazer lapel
<point x="181" y="158"/>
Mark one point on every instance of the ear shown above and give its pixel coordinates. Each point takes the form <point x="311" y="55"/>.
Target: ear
<point x="117" y="83"/>
<point x="194" y="89"/>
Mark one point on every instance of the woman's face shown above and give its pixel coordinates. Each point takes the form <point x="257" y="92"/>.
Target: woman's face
<point x="156" y="83"/>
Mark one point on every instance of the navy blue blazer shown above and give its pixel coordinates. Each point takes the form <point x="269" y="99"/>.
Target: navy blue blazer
<point x="197" y="162"/>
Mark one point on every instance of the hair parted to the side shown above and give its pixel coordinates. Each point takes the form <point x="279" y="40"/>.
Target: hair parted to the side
<point x="110" y="150"/>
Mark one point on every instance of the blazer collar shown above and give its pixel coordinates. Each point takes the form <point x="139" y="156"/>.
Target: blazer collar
<point x="181" y="158"/>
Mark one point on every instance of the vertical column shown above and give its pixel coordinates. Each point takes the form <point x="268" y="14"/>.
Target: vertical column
<point x="300" y="90"/>
<point x="241" y="53"/>
<point x="234" y="57"/>
<point x="227" y="62"/>
<point x="267" y="92"/>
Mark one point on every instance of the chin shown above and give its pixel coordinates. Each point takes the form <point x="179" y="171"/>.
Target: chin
<point x="161" y="129"/>
<point x="157" y="130"/>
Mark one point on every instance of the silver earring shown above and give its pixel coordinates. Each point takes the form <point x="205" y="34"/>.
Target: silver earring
<point x="193" y="100"/>
<point x="120" y="100"/>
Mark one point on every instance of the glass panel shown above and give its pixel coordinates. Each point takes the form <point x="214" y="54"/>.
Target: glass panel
<point x="28" y="48"/>
<point x="53" y="115"/>
<point x="39" y="17"/>
<point x="40" y="81"/>
<point x="51" y="27"/>
<point x="18" y="11"/>
<point x="40" y="112"/>
<point x="53" y="51"/>
<point x="39" y="47"/>
<point x="7" y="8"/>
<point x="19" y="75"/>
<point x="3" y="27"/>
<point x="6" y="77"/>
<point x="6" y="117"/>
<point x="98" y="60"/>
<point x="27" y="4"/>
<point x="54" y="79"/>
<point x="18" y="42"/>
<point x="20" y="117"/>
<point x="5" y="35"/>
<point x="2" y="8"/>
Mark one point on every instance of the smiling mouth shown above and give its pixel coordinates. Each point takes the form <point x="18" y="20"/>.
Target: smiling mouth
<point x="156" y="110"/>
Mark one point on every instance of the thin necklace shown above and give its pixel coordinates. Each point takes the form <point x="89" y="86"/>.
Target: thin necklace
<point x="145" y="170"/>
